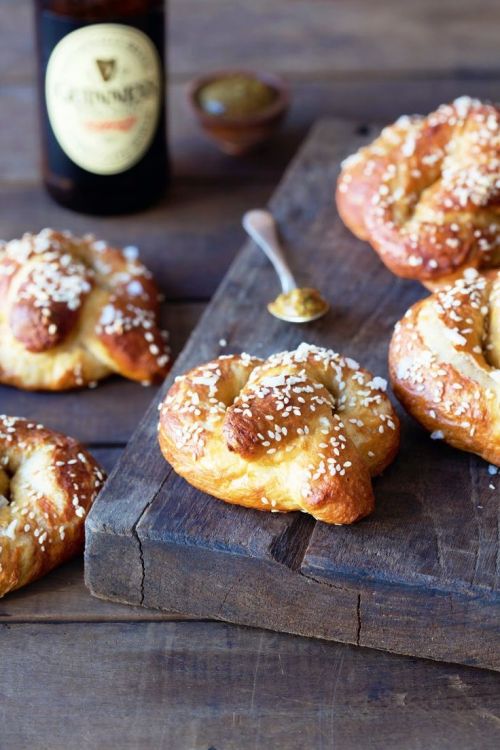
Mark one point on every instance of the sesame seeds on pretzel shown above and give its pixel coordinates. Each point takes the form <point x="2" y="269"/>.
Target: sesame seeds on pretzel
<point x="303" y="430"/>
<point x="47" y="485"/>
<point x="445" y="363"/>
<point x="75" y="310"/>
<point x="426" y="193"/>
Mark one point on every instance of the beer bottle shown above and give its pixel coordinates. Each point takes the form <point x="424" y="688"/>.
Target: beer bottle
<point x="102" y="97"/>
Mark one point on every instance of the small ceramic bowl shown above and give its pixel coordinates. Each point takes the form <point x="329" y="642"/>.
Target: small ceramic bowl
<point x="239" y="135"/>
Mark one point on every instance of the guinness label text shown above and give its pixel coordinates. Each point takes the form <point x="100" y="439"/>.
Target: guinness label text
<point x="103" y="92"/>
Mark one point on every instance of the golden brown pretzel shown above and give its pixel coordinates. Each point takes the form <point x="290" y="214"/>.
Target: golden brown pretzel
<point x="47" y="484"/>
<point x="75" y="310"/>
<point x="445" y="363"/>
<point x="303" y="430"/>
<point x="426" y="193"/>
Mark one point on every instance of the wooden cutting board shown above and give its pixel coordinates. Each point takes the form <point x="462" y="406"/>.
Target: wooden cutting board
<point x="419" y="577"/>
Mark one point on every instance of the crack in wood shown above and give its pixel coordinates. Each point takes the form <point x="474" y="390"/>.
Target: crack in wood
<point x="336" y="587"/>
<point x="226" y="595"/>
<point x="143" y="569"/>
<point x="358" y="615"/>
<point x="138" y="539"/>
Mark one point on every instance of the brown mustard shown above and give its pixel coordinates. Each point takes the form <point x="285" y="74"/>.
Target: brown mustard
<point x="300" y="303"/>
<point x="236" y="95"/>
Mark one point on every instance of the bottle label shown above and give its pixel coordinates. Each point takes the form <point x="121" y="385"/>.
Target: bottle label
<point x="103" y="93"/>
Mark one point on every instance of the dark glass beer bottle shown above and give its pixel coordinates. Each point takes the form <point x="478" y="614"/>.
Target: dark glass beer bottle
<point x="102" y="97"/>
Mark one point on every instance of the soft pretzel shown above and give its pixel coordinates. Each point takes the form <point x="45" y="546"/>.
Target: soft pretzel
<point x="75" y="310"/>
<point x="445" y="363"/>
<point x="303" y="430"/>
<point x="426" y="192"/>
<point x="47" y="484"/>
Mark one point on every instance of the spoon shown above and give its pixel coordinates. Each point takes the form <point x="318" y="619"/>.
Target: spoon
<point x="295" y="304"/>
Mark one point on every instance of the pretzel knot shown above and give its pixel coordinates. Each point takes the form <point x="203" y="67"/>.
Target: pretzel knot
<point x="303" y="430"/>
<point x="445" y="363"/>
<point x="426" y="192"/>
<point x="73" y="311"/>
<point x="47" y="484"/>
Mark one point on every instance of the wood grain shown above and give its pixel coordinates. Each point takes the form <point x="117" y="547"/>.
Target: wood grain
<point x="206" y="685"/>
<point x="180" y="686"/>
<point x="420" y="577"/>
<point x="62" y="597"/>
<point x="197" y="161"/>
<point x="106" y="414"/>
<point x="187" y="241"/>
<point x="304" y="36"/>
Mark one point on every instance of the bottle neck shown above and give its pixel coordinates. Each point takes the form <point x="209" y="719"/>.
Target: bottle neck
<point x="100" y="10"/>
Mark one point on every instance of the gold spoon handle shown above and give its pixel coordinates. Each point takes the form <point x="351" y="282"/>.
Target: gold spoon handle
<point x="261" y="227"/>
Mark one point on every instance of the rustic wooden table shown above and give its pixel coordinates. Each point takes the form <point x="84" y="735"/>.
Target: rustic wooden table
<point x="79" y="673"/>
